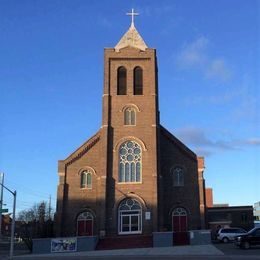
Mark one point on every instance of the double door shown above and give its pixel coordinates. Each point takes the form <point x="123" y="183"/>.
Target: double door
<point x="130" y="223"/>
<point x="85" y="227"/>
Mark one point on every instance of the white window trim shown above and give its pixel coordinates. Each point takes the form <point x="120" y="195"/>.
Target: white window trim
<point x="119" y="226"/>
<point x="178" y="183"/>
<point x="139" y="182"/>
<point x="131" y="108"/>
<point x="86" y="184"/>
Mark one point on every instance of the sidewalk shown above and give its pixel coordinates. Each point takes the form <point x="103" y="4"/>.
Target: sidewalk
<point x="157" y="251"/>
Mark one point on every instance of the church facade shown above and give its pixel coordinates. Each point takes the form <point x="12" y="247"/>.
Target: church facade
<point x="133" y="176"/>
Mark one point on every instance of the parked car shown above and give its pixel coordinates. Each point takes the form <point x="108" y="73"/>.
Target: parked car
<point x="252" y="238"/>
<point x="228" y="234"/>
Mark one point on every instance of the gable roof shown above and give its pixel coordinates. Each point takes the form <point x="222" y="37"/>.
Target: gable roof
<point x="82" y="149"/>
<point x="178" y="143"/>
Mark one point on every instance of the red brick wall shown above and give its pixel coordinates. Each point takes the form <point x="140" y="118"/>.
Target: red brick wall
<point x="160" y="152"/>
<point x="209" y="197"/>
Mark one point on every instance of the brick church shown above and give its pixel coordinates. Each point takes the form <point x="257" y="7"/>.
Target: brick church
<point x="133" y="176"/>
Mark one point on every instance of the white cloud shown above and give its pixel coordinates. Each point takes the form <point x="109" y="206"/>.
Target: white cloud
<point x="155" y="11"/>
<point x="205" y="146"/>
<point x="239" y="93"/>
<point x="197" y="137"/>
<point x="103" y="21"/>
<point x="218" y="69"/>
<point x="250" y="141"/>
<point x="195" y="55"/>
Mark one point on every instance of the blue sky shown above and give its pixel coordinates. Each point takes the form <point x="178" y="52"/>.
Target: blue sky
<point x="51" y="81"/>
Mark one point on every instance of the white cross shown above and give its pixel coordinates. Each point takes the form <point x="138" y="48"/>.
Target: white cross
<point x="132" y="14"/>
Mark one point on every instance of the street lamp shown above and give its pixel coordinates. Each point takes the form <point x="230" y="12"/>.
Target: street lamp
<point x="13" y="220"/>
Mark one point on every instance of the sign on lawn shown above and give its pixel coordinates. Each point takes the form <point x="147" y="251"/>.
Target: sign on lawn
<point x="64" y="244"/>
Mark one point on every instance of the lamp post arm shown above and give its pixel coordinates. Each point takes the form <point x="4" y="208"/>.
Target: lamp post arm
<point x="7" y="189"/>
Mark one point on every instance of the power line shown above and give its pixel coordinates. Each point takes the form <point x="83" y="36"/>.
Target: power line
<point x="29" y="189"/>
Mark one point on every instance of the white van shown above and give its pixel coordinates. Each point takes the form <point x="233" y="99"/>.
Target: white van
<point x="228" y="234"/>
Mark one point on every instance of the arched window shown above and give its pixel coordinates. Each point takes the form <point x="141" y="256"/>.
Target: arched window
<point x="178" y="177"/>
<point x="121" y="81"/>
<point x="86" y="179"/>
<point x="129" y="217"/>
<point x="85" y="224"/>
<point x="138" y="81"/>
<point x="179" y="220"/>
<point x="129" y="116"/>
<point x="130" y="162"/>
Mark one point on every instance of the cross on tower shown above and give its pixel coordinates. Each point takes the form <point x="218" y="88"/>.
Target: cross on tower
<point x="132" y="14"/>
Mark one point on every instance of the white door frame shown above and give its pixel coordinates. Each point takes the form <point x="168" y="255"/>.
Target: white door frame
<point x="120" y="218"/>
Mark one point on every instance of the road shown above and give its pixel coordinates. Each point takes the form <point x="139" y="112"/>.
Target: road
<point x="230" y="252"/>
<point x="231" y="249"/>
<point x="150" y="257"/>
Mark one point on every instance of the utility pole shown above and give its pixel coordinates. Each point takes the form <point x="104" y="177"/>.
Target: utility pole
<point x="1" y="200"/>
<point x="13" y="227"/>
<point x="13" y="220"/>
<point x="49" y="207"/>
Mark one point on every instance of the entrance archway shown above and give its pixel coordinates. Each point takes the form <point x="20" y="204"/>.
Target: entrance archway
<point x="85" y="223"/>
<point x="129" y="217"/>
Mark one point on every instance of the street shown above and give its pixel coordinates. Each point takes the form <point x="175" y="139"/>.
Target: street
<point x="229" y="250"/>
<point x="148" y="257"/>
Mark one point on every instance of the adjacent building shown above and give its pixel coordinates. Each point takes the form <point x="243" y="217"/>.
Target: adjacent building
<point x="257" y="210"/>
<point x="232" y="216"/>
<point x="223" y="215"/>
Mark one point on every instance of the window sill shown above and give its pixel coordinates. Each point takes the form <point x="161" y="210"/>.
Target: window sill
<point x="130" y="182"/>
<point x="129" y="232"/>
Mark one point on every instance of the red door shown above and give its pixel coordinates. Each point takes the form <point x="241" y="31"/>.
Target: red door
<point x="81" y="227"/>
<point x="175" y="223"/>
<point x="180" y="227"/>
<point x="85" y="227"/>
<point x="183" y="223"/>
<point x="89" y="228"/>
<point x="179" y="223"/>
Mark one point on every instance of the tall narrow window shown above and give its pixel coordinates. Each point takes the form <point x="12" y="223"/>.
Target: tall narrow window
<point x="138" y="81"/>
<point x="178" y="177"/>
<point x="121" y="81"/>
<point x="129" y="116"/>
<point x="130" y="162"/>
<point x="86" y="180"/>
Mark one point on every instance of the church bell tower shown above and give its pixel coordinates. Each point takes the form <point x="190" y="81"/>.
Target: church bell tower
<point x="130" y="118"/>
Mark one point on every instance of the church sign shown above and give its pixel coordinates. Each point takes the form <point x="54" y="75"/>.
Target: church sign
<point x="64" y="245"/>
<point x="147" y="215"/>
